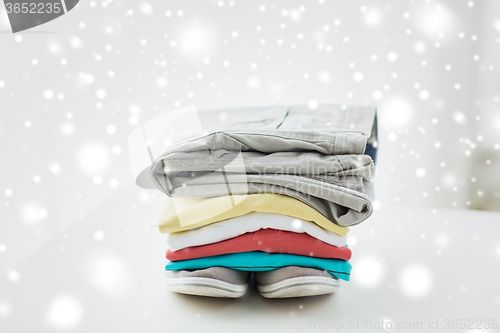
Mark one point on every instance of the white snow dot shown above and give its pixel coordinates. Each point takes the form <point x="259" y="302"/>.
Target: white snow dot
<point x="496" y="122"/>
<point x="351" y="241"/>
<point x="94" y="158"/>
<point x="42" y="213"/>
<point x="416" y="280"/>
<point x="111" y="129"/>
<point x="373" y="17"/>
<point x="67" y="128"/>
<point x="368" y="271"/>
<point x="97" y="179"/>
<point x="37" y="178"/>
<point x="3" y="247"/>
<point x="99" y="235"/>
<point x="377" y="94"/>
<point x="133" y="120"/>
<point x="87" y="78"/>
<point x="324" y="77"/>
<point x="14" y="276"/>
<point x="449" y="179"/>
<point x="392" y="136"/>
<point x="108" y="273"/>
<point x="48" y="94"/>
<point x="392" y="57"/>
<point x="32" y="213"/>
<point x="116" y="150"/>
<point x="54" y="168"/>
<point x="146" y="8"/>
<point x="64" y="312"/>
<point x="396" y="112"/>
<point x="8" y="192"/>
<point x="313" y="104"/>
<point x="424" y="95"/>
<point x="435" y="21"/>
<point x="254" y="82"/>
<point x="101" y="93"/>
<point x="358" y="76"/>
<point x="420" y="172"/>
<point x="442" y="240"/>
<point x="2" y="84"/>
<point x="419" y="47"/>
<point x="5" y="309"/>
<point x="295" y="15"/>
<point x="75" y="42"/>
<point x="161" y="82"/>
<point x="496" y="24"/>
<point x="145" y="196"/>
<point x="113" y="183"/>
<point x="459" y="117"/>
<point x="297" y="224"/>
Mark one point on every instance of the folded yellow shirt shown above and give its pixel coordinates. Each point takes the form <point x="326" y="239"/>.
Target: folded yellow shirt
<point x="180" y="214"/>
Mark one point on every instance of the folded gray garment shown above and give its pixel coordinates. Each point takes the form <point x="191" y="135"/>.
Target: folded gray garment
<point x="202" y="167"/>
<point x="328" y="129"/>
<point x="314" y="155"/>
<point x="344" y="170"/>
<point x="342" y="206"/>
<point x="339" y="187"/>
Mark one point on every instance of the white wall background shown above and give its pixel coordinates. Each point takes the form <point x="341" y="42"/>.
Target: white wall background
<point x="72" y="90"/>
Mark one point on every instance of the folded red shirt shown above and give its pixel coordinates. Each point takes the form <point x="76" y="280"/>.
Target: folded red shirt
<point x="266" y="240"/>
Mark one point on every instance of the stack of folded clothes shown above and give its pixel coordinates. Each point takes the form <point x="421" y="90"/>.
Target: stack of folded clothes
<point x="268" y="190"/>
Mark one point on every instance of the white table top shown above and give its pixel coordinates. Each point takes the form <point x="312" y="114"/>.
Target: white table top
<point x="409" y="265"/>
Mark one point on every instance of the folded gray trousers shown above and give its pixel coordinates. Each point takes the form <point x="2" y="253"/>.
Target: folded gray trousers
<point x="313" y="155"/>
<point x="338" y="187"/>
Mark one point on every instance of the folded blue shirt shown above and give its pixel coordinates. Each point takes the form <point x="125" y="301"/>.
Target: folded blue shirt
<point x="262" y="261"/>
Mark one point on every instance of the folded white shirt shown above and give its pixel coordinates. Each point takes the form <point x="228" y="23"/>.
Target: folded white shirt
<point x="251" y="222"/>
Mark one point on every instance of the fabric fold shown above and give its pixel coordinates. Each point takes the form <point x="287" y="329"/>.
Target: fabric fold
<point x="265" y="240"/>
<point x="180" y="214"/>
<point x="261" y="261"/>
<point x="250" y="222"/>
